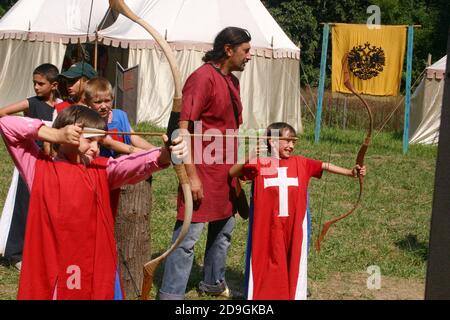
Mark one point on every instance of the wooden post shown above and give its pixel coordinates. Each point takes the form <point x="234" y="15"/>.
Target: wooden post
<point x="344" y="124"/>
<point x="438" y="274"/>
<point x="133" y="235"/>
<point x="408" y="89"/>
<point x="96" y="50"/>
<point x="323" y="64"/>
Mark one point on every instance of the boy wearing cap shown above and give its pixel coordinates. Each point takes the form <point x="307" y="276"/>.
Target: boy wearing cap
<point x="76" y="77"/>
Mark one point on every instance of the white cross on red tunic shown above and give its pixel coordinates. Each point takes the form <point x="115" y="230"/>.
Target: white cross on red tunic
<point x="283" y="182"/>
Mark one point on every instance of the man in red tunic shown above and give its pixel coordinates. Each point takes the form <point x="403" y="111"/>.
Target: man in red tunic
<point x="211" y="102"/>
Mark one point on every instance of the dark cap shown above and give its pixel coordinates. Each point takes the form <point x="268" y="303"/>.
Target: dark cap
<point x="78" y="70"/>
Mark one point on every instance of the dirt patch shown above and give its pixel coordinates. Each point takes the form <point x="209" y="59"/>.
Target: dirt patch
<point x="353" y="286"/>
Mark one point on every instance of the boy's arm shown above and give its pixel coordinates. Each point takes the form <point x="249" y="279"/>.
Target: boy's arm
<point x="196" y="183"/>
<point x="354" y="172"/>
<point x="236" y="170"/>
<point x="140" y="142"/>
<point x="133" y="168"/>
<point x="15" y="108"/>
<point x="118" y="146"/>
<point x="70" y="134"/>
<point x="19" y="134"/>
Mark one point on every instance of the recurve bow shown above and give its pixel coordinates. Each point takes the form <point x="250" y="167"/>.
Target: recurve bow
<point x="150" y="267"/>
<point x="359" y="157"/>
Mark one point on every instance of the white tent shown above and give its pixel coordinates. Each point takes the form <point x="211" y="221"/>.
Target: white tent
<point x="426" y="105"/>
<point x="269" y="85"/>
<point x="33" y="32"/>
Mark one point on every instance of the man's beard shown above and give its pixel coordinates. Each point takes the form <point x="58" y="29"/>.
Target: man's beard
<point x="241" y="67"/>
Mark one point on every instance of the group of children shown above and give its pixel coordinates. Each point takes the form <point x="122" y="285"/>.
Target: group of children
<point x="69" y="250"/>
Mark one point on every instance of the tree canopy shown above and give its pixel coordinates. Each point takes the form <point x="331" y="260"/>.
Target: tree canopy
<point x="5" y="5"/>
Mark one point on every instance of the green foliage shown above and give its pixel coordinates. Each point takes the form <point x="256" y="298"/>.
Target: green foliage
<point x="5" y="5"/>
<point x="301" y="20"/>
<point x="300" y="24"/>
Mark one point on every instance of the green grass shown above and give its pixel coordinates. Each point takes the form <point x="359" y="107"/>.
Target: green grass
<point x="389" y="229"/>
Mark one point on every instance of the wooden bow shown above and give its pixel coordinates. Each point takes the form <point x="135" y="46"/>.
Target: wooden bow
<point x="359" y="157"/>
<point x="150" y="267"/>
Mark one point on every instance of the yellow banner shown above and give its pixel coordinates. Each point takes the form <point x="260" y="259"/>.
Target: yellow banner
<point x="375" y="58"/>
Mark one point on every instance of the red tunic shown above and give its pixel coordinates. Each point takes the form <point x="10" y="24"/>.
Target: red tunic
<point x="62" y="105"/>
<point x="206" y="98"/>
<point x="277" y="248"/>
<point x="69" y="241"/>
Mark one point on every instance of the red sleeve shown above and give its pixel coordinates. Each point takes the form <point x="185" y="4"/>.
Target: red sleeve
<point x="19" y="134"/>
<point x="196" y="95"/>
<point x="314" y="168"/>
<point x="250" y="171"/>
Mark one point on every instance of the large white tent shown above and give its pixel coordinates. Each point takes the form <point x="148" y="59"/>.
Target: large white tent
<point x="38" y="31"/>
<point x="426" y="105"/>
<point x="33" y="32"/>
<point x="269" y="85"/>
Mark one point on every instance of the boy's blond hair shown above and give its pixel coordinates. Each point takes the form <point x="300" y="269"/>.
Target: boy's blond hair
<point x="96" y="87"/>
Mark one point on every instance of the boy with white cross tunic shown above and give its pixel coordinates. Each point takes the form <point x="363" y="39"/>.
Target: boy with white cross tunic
<point x="276" y="266"/>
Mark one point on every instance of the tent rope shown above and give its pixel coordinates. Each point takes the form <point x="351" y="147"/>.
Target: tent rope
<point x="314" y="98"/>
<point x="396" y="108"/>
<point x="299" y="91"/>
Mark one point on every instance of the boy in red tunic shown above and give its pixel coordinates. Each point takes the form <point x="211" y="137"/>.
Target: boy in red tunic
<point x="70" y="251"/>
<point x="277" y="247"/>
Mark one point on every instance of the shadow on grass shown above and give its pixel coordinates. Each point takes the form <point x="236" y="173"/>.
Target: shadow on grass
<point x="4" y="262"/>
<point x="235" y="279"/>
<point x="411" y="244"/>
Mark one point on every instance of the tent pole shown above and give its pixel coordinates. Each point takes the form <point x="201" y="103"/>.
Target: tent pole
<point x="408" y="89"/>
<point x="96" y="50"/>
<point x="323" y="62"/>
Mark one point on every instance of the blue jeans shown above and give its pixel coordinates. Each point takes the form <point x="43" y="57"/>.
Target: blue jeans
<point x="179" y="263"/>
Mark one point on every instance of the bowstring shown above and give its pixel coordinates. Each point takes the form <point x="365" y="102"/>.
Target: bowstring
<point x="390" y="115"/>
<point x="133" y="281"/>
<point x="324" y="189"/>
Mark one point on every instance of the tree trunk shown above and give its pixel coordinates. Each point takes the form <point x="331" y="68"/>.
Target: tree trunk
<point x="133" y="235"/>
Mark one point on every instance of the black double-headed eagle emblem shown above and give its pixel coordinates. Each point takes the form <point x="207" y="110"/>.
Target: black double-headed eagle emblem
<point x="366" y="62"/>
